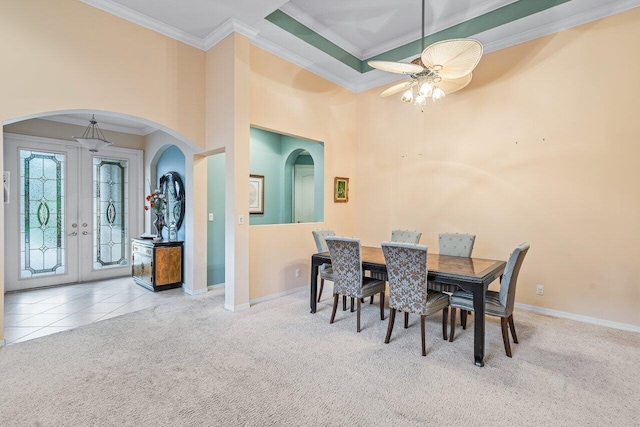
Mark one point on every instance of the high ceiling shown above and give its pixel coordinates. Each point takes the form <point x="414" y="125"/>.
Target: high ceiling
<point x="335" y="38"/>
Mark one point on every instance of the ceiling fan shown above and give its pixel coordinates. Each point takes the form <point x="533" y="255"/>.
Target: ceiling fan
<point x="443" y="68"/>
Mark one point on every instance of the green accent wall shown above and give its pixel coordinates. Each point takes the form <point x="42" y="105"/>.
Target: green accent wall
<point x="273" y="155"/>
<point x="215" y="230"/>
<point x="496" y="18"/>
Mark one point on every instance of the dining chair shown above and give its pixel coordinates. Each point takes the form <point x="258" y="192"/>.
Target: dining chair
<point x="499" y="304"/>
<point x="407" y="271"/>
<point x="454" y="244"/>
<point x="326" y="273"/>
<point x="346" y="261"/>
<point x="398" y="236"/>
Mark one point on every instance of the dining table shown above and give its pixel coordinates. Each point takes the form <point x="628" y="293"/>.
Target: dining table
<point x="470" y="274"/>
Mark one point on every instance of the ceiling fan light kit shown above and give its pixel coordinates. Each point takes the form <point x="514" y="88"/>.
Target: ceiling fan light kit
<point x="443" y="68"/>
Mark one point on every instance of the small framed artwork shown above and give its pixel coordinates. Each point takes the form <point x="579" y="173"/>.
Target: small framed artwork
<point x="256" y="194"/>
<point x="341" y="190"/>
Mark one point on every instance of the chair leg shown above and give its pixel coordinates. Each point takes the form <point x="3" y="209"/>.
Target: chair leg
<point x="335" y="307"/>
<point x="321" y="288"/>
<point x="381" y="305"/>
<point x="424" y="347"/>
<point x="406" y="320"/>
<point x="513" y="329"/>
<point x="463" y="318"/>
<point x="371" y="300"/>
<point x="453" y="324"/>
<point x="392" y="318"/>
<point x="344" y="303"/>
<point x="445" y="317"/>
<point x="358" y="314"/>
<point x="505" y="336"/>
<point x="352" y="304"/>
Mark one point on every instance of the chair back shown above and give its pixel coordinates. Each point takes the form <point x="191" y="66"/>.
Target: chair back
<point x="319" y="236"/>
<point x="321" y="245"/>
<point x="407" y="275"/>
<point x="510" y="277"/>
<point x="406" y="236"/>
<point x="346" y="262"/>
<point x="455" y="244"/>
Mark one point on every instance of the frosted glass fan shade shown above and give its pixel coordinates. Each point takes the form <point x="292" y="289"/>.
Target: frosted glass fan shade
<point x="396" y="67"/>
<point x="457" y="57"/>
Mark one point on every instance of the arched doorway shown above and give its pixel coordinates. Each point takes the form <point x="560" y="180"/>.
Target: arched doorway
<point x="72" y="213"/>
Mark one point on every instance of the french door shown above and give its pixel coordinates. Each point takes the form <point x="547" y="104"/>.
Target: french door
<point x="69" y="218"/>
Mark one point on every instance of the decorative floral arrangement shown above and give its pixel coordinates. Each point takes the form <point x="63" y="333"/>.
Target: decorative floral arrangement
<point x="157" y="201"/>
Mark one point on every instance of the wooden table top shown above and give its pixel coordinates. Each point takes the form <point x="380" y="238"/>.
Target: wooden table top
<point x="458" y="266"/>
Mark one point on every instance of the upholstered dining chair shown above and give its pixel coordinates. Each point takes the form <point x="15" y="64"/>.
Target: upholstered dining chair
<point x="407" y="271"/>
<point x="499" y="304"/>
<point x="326" y="273"/>
<point x="398" y="236"/>
<point x="346" y="261"/>
<point x="454" y="244"/>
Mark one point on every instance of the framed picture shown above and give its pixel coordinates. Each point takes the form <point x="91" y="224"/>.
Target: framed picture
<point x="256" y="194"/>
<point x="341" y="190"/>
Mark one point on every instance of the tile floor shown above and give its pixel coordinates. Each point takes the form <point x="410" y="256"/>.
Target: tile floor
<point x="33" y="314"/>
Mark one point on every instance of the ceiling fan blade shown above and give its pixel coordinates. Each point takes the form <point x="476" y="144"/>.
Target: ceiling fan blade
<point x="454" y="85"/>
<point x="398" y="88"/>
<point x="457" y="57"/>
<point x="396" y="67"/>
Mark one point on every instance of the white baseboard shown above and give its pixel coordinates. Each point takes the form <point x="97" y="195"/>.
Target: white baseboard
<point x="279" y="294"/>
<point x="2" y="343"/>
<point x="216" y="286"/>
<point x="194" y="291"/>
<point x="578" y="317"/>
<point x="236" y="308"/>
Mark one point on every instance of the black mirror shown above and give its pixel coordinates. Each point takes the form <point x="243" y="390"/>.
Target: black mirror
<point x="173" y="188"/>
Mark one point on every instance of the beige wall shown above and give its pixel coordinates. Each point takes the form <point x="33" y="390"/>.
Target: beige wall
<point x="287" y="99"/>
<point x="541" y="147"/>
<point x="228" y="130"/>
<point x="66" y="55"/>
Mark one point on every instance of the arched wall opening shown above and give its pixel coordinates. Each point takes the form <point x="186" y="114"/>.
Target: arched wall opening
<point x="159" y="141"/>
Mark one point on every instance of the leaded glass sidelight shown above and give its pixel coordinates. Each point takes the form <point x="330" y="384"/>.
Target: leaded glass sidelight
<point x="42" y="250"/>
<point x="110" y="213"/>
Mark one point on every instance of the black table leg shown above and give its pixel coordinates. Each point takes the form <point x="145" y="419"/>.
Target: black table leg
<point x="314" y="286"/>
<point x="479" y="292"/>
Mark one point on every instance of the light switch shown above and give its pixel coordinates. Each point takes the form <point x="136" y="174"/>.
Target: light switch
<point x="240" y="219"/>
<point x="210" y="217"/>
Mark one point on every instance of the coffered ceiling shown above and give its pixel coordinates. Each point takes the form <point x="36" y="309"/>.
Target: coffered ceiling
<point x="336" y="38"/>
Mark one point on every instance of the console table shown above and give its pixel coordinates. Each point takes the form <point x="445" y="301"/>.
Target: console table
<point x="156" y="265"/>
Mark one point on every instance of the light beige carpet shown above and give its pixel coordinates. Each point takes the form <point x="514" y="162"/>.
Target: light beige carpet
<point x="190" y="362"/>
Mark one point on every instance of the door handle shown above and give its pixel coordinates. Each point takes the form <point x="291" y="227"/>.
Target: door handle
<point x="84" y="233"/>
<point x="74" y="225"/>
<point x="75" y="233"/>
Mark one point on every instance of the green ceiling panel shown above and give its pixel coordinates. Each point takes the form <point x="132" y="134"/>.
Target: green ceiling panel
<point x="303" y="32"/>
<point x="504" y="15"/>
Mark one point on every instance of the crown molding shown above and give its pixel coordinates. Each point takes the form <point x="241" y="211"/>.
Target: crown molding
<point x="303" y="63"/>
<point x="229" y="26"/>
<point x="571" y="21"/>
<point x="104" y="126"/>
<point x="145" y="21"/>
<point x="322" y="30"/>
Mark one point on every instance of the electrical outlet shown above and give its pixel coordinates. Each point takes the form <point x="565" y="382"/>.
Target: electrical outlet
<point x="297" y="272"/>
<point x="540" y="290"/>
<point x="240" y="219"/>
<point x="210" y="217"/>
